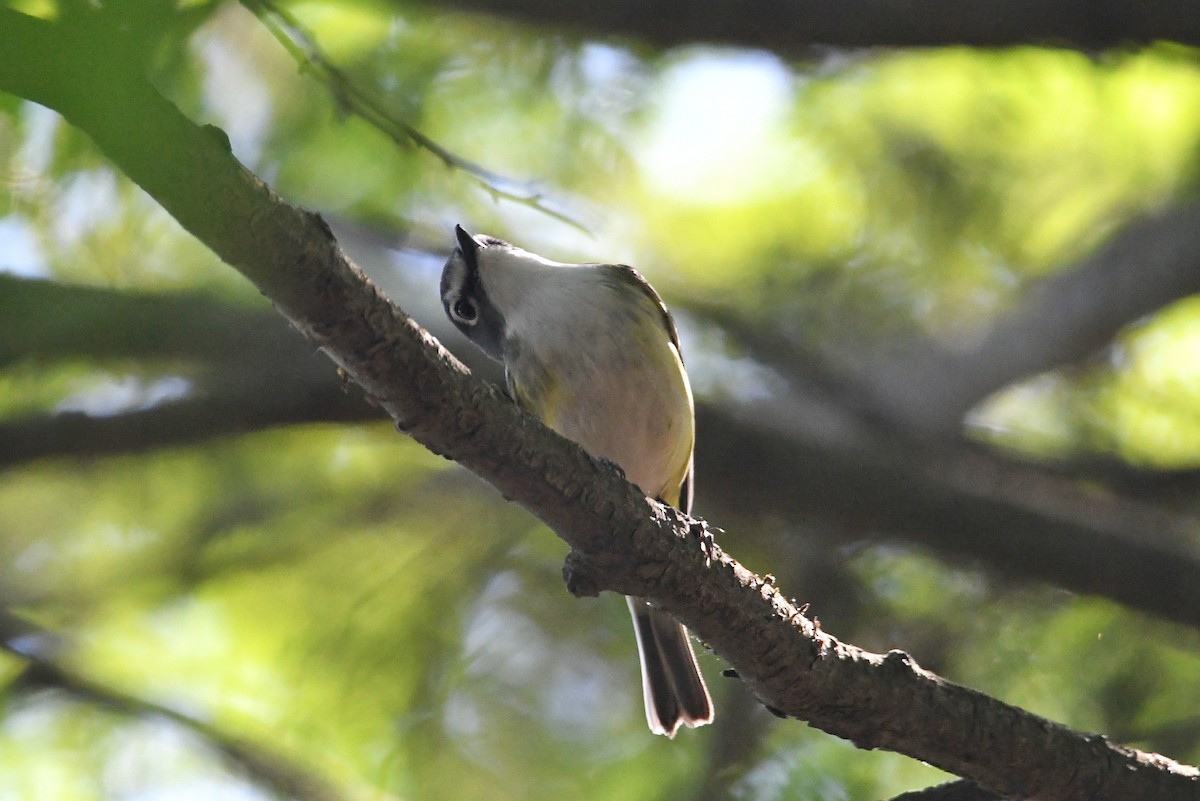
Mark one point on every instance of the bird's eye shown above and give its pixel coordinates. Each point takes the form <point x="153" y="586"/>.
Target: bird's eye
<point x="464" y="311"/>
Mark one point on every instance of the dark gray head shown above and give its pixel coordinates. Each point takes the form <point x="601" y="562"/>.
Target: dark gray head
<point x="464" y="297"/>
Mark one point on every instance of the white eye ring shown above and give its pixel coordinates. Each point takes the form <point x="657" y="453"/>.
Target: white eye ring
<point x="464" y="311"/>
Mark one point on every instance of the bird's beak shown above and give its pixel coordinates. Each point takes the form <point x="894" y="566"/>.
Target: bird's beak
<point x="466" y="243"/>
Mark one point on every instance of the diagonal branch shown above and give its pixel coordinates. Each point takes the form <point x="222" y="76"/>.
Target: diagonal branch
<point x="1062" y="320"/>
<point x="1023" y="520"/>
<point x="621" y="540"/>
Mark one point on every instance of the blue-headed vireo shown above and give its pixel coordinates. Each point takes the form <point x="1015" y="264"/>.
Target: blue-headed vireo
<point x="592" y="351"/>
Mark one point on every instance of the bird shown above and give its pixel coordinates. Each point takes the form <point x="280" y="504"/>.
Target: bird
<point x="592" y="351"/>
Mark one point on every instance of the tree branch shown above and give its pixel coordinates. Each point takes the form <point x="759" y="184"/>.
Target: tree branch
<point x="951" y="791"/>
<point x="108" y="324"/>
<point x="794" y="29"/>
<point x="927" y="388"/>
<point x="1064" y="319"/>
<point x="231" y="410"/>
<point x="621" y="540"/>
<point x="260" y="765"/>
<point x="964" y="502"/>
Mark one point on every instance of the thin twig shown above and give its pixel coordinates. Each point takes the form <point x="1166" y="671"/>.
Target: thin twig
<point x="353" y="99"/>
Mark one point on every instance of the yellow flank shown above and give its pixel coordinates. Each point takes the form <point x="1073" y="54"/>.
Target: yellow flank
<point x="542" y="397"/>
<point x="672" y="498"/>
<point x="675" y="485"/>
<point x="592" y="418"/>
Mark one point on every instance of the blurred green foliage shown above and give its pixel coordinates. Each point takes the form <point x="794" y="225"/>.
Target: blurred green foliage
<point x="357" y="606"/>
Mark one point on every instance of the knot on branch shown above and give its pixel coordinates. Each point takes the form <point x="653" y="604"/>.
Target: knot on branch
<point x="579" y="574"/>
<point x="900" y="661"/>
<point x="219" y="136"/>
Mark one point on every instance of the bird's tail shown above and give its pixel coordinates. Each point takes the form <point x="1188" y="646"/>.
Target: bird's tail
<point x="671" y="682"/>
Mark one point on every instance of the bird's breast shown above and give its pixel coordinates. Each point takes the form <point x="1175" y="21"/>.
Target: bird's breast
<point x="621" y="395"/>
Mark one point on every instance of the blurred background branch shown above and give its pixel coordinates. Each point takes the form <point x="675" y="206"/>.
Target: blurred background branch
<point x="794" y="30"/>
<point x="42" y="673"/>
<point x="924" y="388"/>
